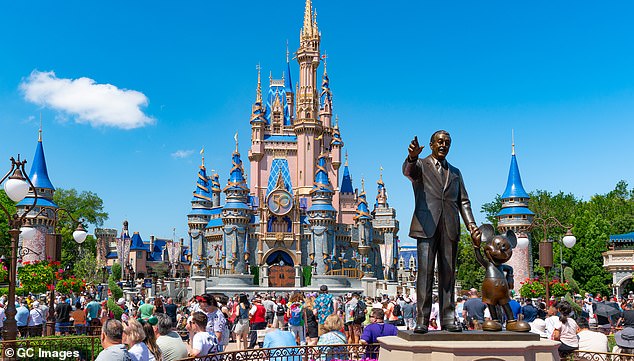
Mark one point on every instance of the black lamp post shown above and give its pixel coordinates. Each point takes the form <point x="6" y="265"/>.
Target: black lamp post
<point x="546" y="245"/>
<point x="16" y="187"/>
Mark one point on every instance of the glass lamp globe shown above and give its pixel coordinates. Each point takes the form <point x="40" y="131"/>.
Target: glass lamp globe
<point x="522" y="242"/>
<point x="569" y="240"/>
<point x="27" y="233"/>
<point x="80" y="236"/>
<point x="16" y="189"/>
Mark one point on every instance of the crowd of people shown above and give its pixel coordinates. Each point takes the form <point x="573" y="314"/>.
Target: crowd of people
<point x="159" y="329"/>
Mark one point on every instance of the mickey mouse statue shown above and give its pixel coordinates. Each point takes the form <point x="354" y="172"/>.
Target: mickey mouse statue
<point x="495" y="287"/>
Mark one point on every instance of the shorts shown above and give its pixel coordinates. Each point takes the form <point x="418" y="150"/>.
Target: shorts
<point x="242" y="327"/>
<point x="63" y="326"/>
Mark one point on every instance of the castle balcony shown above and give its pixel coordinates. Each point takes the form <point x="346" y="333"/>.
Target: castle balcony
<point x="273" y="237"/>
<point x="619" y="259"/>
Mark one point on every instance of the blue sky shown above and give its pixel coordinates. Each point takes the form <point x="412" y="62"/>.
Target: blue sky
<point x="183" y="76"/>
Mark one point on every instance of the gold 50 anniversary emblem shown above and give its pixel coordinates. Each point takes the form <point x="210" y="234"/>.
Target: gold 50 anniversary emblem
<point x="279" y="202"/>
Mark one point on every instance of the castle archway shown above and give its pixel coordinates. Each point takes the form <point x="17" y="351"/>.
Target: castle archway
<point x="281" y="270"/>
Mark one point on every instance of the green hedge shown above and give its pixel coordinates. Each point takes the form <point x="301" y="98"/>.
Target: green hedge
<point x="19" y="291"/>
<point x="87" y="347"/>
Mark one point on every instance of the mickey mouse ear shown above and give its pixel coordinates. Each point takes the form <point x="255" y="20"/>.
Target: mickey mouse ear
<point x="487" y="232"/>
<point x="510" y="235"/>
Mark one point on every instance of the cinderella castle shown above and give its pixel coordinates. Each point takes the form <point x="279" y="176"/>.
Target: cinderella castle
<point x="299" y="216"/>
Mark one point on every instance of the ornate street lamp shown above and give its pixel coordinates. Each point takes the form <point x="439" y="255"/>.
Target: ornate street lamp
<point x="54" y="245"/>
<point x="546" y="245"/>
<point x="16" y="187"/>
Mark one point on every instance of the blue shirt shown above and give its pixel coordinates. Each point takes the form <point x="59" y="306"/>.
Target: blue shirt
<point x="279" y="338"/>
<point x="529" y="312"/>
<point x="515" y="307"/>
<point x="22" y="316"/>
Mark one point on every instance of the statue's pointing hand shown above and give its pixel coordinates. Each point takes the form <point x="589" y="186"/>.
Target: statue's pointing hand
<point x="414" y="149"/>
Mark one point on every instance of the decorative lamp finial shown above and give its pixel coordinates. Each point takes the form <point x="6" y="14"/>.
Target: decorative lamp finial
<point x="381" y="173"/>
<point x="513" y="141"/>
<point x="287" y="53"/>
<point x="235" y="136"/>
<point x="39" y="136"/>
<point x="202" y="153"/>
<point x="325" y="58"/>
<point x="346" y="164"/>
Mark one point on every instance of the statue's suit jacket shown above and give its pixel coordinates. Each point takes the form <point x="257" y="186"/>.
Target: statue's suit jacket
<point x="437" y="198"/>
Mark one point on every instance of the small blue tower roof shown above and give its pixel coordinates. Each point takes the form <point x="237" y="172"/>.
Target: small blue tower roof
<point x="322" y="183"/>
<point x="346" y="181"/>
<point x="39" y="172"/>
<point x="137" y="243"/>
<point x="336" y="136"/>
<point x="363" y="212"/>
<point x="288" y="84"/>
<point x="202" y="191"/>
<point x="514" y="188"/>
<point x="236" y="175"/>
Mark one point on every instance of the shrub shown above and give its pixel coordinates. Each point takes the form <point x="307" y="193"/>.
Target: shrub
<point x="532" y="288"/>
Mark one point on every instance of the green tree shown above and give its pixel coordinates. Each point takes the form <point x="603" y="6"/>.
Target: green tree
<point x="86" y="269"/>
<point x="491" y="210"/>
<point x="470" y="272"/>
<point x="85" y="206"/>
<point x="116" y="271"/>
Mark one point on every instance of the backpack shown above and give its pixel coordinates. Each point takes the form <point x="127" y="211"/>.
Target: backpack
<point x="281" y="310"/>
<point x="359" y="312"/>
<point x="396" y="311"/>
<point x="296" y="318"/>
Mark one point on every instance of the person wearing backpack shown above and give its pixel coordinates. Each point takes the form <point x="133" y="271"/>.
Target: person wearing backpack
<point x="280" y="312"/>
<point x="297" y="317"/>
<point x="354" y="316"/>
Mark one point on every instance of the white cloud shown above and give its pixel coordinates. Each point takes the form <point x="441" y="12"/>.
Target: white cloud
<point x="100" y="105"/>
<point x="180" y="154"/>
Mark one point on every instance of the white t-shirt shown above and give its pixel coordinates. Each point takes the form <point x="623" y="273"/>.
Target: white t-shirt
<point x="140" y="352"/>
<point x="1" y="317"/>
<point x="550" y="326"/>
<point x="592" y="341"/>
<point x="37" y="317"/>
<point x="567" y="332"/>
<point x="206" y="342"/>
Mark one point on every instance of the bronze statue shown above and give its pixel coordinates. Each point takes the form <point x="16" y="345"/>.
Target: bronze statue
<point x="495" y="287"/>
<point x="440" y="196"/>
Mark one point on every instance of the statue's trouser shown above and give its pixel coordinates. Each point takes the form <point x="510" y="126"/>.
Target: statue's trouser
<point x="443" y="248"/>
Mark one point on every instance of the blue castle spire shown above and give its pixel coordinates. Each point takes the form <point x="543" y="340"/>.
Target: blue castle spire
<point x="514" y="187"/>
<point x="363" y="212"/>
<point x="202" y="191"/>
<point x="346" y="181"/>
<point x="322" y="189"/>
<point x="514" y="213"/>
<point x="39" y="178"/>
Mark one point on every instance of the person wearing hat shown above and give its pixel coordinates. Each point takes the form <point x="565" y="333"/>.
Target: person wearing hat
<point x="409" y="313"/>
<point x="257" y="319"/>
<point x="624" y="341"/>
<point x="36" y="320"/>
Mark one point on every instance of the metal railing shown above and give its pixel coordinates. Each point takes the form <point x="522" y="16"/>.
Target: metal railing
<point x="297" y="353"/>
<point x="82" y="348"/>
<point x="346" y="272"/>
<point x="598" y="356"/>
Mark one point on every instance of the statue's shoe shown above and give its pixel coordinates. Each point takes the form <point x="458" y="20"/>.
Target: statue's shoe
<point x="420" y="329"/>
<point x="518" y="326"/>
<point x="451" y="328"/>
<point x="490" y="325"/>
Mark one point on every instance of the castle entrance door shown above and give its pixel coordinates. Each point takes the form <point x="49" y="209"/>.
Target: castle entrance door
<point x="281" y="270"/>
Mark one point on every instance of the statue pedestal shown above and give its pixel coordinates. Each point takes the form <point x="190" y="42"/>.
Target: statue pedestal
<point x="470" y="345"/>
<point x="198" y="285"/>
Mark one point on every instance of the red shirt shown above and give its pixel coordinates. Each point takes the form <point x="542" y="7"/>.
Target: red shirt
<point x="258" y="315"/>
